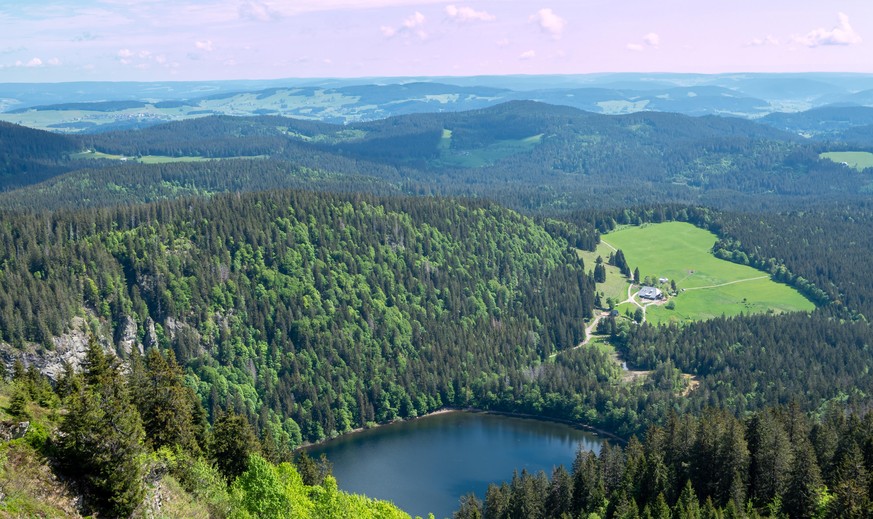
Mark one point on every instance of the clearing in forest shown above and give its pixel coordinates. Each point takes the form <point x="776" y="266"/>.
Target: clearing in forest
<point x="859" y="160"/>
<point x="154" y="159"/>
<point x="707" y="286"/>
<point x="486" y="155"/>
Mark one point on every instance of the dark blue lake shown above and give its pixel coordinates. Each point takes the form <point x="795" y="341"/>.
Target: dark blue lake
<point x="426" y="465"/>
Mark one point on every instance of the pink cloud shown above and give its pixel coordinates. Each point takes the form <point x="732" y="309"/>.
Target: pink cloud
<point x="258" y="11"/>
<point x="411" y="25"/>
<point x="549" y="22"/>
<point x="468" y="14"/>
<point x="761" y="42"/>
<point x="650" y="41"/>
<point x="843" y="34"/>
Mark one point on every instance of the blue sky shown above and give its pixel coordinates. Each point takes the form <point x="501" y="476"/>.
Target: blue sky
<point x="145" y="40"/>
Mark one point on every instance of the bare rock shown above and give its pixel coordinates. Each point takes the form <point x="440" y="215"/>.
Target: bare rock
<point x="127" y="339"/>
<point x="69" y="348"/>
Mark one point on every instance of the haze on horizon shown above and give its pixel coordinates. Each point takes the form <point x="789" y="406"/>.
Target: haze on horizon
<point x="161" y="40"/>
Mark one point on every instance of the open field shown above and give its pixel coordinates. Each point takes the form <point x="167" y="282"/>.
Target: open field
<point x="855" y="159"/>
<point x="616" y="284"/>
<point x="485" y="156"/>
<point x="151" y="159"/>
<point x="712" y="287"/>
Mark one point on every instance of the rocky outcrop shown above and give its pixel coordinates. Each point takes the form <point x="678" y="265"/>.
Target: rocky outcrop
<point x="127" y="337"/>
<point x="70" y="348"/>
<point x="13" y="430"/>
<point x="151" y="335"/>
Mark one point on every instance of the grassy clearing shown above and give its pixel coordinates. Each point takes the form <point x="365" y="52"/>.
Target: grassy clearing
<point x="859" y="160"/>
<point x="616" y="284"/>
<point x="681" y="252"/>
<point x="445" y="143"/>
<point x="152" y="159"/>
<point x="485" y="156"/>
<point x="602" y="344"/>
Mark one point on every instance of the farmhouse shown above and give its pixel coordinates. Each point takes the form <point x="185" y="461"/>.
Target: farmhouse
<point x="650" y="293"/>
<point x="663" y="280"/>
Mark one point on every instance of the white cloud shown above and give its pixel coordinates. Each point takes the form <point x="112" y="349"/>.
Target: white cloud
<point x="125" y="53"/>
<point x="761" y="42"/>
<point x="650" y="41"/>
<point x="549" y="22"/>
<point x="468" y="14"/>
<point x="204" y="45"/>
<point x="528" y="54"/>
<point x="258" y="11"/>
<point x="54" y="62"/>
<point x="411" y="25"/>
<point x="416" y="20"/>
<point x="502" y="42"/>
<point x="34" y="62"/>
<point x="843" y="34"/>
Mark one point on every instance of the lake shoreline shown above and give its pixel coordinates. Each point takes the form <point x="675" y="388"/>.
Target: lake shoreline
<point x="446" y="410"/>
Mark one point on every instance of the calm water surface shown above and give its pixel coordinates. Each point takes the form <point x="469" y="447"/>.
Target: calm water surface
<point x="426" y="465"/>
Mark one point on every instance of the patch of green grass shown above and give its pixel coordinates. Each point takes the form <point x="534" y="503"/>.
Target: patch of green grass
<point x="445" y="143"/>
<point x="616" y="284"/>
<point x="91" y="154"/>
<point x="484" y="156"/>
<point x="602" y="344"/>
<point x="712" y="287"/>
<point x="859" y="160"/>
<point x="153" y="159"/>
<point x="160" y="159"/>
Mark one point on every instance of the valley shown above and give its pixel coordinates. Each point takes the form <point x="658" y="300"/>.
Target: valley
<point x="288" y="281"/>
<point x="705" y="286"/>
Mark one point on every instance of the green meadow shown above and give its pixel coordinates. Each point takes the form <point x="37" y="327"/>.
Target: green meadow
<point x="487" y="155"/>
<point x="859" y="160"/>
<point x="151" y="159"/>
<point x="708" y="286"/>
<point x="615" y="286"/>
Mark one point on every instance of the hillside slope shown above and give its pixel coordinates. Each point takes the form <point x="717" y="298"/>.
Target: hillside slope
<point x="531" y="156"/>
<point x="321" y="311"/>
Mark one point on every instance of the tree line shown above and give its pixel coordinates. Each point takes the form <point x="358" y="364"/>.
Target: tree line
<point x="776" y="462"/>
<point x="124" y="428"/>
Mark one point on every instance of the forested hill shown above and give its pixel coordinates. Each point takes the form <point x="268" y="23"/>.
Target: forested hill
<point x="309" y="313"/>
<point x="528" y="155"/>
<point x="29" y="156"/>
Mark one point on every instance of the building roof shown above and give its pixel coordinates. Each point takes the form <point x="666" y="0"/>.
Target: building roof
<point x="650" y="293"/>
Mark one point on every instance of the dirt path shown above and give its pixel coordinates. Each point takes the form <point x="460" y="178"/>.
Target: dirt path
<point x="608" y="245"/>
<point x="728" y="283"/>
<point x="589" y="330"/>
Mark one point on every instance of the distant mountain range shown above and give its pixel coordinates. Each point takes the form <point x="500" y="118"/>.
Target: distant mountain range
<point x="525" y="154"/>
<point x="99" y="107"/>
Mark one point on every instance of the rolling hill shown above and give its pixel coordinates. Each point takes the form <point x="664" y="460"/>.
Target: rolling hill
<point x="98" y="107"/>
<point x="524" y="153"/>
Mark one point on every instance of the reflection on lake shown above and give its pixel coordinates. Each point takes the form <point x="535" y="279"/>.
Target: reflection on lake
<point x="426" y="465"/>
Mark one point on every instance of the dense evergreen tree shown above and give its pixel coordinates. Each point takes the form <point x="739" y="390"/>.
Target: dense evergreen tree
<point x="101" y="436"/>
<point x="233" y="442"/>
<point x="167" y="406"/>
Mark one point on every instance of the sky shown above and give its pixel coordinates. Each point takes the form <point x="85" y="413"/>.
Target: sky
<point x="175" y="40"/>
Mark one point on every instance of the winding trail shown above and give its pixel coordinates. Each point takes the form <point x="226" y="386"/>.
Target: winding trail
<point x="608" y="244"/>
<point x="728" y="283"/>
